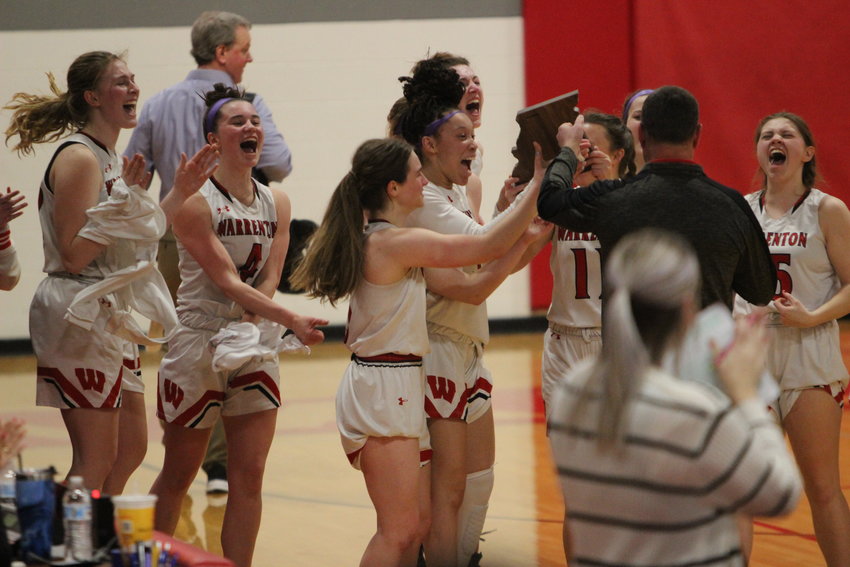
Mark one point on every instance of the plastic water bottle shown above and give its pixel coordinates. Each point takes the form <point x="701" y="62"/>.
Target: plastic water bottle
<point x="8" y="505"/>
<point x="76" y="511"/>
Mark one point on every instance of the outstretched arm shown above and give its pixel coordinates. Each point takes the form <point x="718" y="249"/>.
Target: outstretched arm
<point x="192" y="226"/>
<point x="476" y="287"/>
<point x="558" y="202"/>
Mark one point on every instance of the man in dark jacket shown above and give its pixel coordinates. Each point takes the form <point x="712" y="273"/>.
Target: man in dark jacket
<point x="671" y="192"/>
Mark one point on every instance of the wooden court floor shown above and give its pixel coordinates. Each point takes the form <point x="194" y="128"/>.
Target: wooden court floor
<point x="315" y="508"/>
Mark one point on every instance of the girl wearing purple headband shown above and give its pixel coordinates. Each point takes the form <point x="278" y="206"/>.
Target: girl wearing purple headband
<point x="632" y="111"/>
<point x="232" y="238"/>
<point x="458" y="387"/>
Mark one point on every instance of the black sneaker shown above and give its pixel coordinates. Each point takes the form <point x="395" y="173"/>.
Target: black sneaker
<point x="217" y="479"/>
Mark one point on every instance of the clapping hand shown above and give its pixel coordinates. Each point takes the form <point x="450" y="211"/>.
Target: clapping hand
<point x="134" y="172"/>
<point x="11" y="440"/>
<point x="193" y="173"/>
<point x="12" y="204"/>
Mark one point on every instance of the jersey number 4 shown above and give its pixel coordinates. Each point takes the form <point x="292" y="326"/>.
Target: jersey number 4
<point x="785" y="283"/>
<point x="249" y="268"/>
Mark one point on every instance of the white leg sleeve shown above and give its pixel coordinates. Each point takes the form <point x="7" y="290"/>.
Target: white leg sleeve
<point x="473" y="510"/>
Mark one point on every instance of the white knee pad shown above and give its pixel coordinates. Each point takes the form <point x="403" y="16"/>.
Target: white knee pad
<point x="473" y="510"/>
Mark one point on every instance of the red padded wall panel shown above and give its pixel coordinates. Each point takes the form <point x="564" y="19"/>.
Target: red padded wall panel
<point x="742" y="60"/>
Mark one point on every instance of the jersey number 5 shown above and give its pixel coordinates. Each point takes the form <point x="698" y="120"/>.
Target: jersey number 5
<point x="785" y="283"/>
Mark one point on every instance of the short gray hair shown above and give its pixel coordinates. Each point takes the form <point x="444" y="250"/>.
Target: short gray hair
<point x="212" y="29"/>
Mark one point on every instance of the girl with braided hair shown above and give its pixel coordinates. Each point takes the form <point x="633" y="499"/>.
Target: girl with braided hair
<point x="457" y="403"/>
<point x="381" y="399"/>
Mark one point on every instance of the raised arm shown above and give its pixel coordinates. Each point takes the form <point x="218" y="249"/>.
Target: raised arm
<point x="476" y="287"/>
<point x="190" y="177"/>
<point x="559" y="203"/>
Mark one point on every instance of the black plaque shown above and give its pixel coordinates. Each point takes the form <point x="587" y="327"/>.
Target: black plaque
<point x="539" y="123"/>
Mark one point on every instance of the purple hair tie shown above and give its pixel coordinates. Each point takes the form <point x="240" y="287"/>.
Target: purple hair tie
<point x="432" y="128"/>
<point x="209" y="119"/>
<point x="632" y="98"/>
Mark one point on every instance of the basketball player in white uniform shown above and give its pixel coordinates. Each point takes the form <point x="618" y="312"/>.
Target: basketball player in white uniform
<point x="387" y="337"/>
<point x="232" y="238"/>
<point x="575" y="315"/>
<point x="379" y="415"/>
<point x="458" y="387"/>
<point x="82" y="372"/>
<point x="246" y="232"/>
<point x="807" y="232"/>
<point x="61" y="345"/>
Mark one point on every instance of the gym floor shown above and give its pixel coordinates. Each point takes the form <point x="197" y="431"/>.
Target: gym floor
<point x="315" y="507"/>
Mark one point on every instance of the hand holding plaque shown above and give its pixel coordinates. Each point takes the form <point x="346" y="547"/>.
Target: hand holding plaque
<point x="539" y="123"/>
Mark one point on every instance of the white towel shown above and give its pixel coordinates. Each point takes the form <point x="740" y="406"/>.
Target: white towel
<point x="241" y="342"/>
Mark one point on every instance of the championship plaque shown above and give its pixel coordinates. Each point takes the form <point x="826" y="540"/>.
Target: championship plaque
<point x="539" y="123"/>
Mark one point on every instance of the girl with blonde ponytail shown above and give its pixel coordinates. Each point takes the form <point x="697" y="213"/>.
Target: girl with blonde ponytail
<point x="654" y="467"/>
<point x="89" y="373"/>
<point x="363" y="251"/>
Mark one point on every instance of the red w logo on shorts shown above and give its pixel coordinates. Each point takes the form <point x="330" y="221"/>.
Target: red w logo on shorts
<point x="172" y="392"/>
<point x="441" y="388"/>
<point x="91" y="379"/>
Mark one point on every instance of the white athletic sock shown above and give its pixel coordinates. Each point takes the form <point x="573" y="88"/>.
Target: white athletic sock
<point x="473" y="510"/>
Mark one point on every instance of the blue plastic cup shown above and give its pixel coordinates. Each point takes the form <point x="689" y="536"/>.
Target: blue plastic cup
<point x="36" y="504"/>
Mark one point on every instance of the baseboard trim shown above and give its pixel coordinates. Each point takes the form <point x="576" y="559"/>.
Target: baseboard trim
<point x="531" y="324"/>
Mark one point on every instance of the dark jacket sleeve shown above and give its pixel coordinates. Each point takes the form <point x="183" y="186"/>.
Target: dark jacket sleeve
<point x="755" y="276"/>
<point x="556" y="199"/>
<point x="568" y="207"/>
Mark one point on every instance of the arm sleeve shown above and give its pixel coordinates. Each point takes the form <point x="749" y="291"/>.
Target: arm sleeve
<point x="752" y="471"/>
<point x="276" y="159"/>
<point x="755" y="274"/>
<point x="568" y="207"/>
<point x="10" y="269"/>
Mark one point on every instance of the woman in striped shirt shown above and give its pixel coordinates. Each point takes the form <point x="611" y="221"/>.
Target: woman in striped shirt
<point x="654" y="467"/>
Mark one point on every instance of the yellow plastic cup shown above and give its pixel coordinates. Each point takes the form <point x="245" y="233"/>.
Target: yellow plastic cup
<point x="134" y="518"/>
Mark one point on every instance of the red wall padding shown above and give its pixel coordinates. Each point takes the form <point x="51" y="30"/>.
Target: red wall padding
<point x="742" y="60"/>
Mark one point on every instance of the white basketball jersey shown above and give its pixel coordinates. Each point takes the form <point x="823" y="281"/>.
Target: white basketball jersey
<point x="577" y="279"/>
<point x="246" y="231"/>
<point x="111" y="166"/>
<point x="389" y="318"/>
<point x="447" y="211"/>
<point x="798" y="249"/>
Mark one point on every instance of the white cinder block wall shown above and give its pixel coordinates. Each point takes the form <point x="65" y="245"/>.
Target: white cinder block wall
<point x="329" y="85"/>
